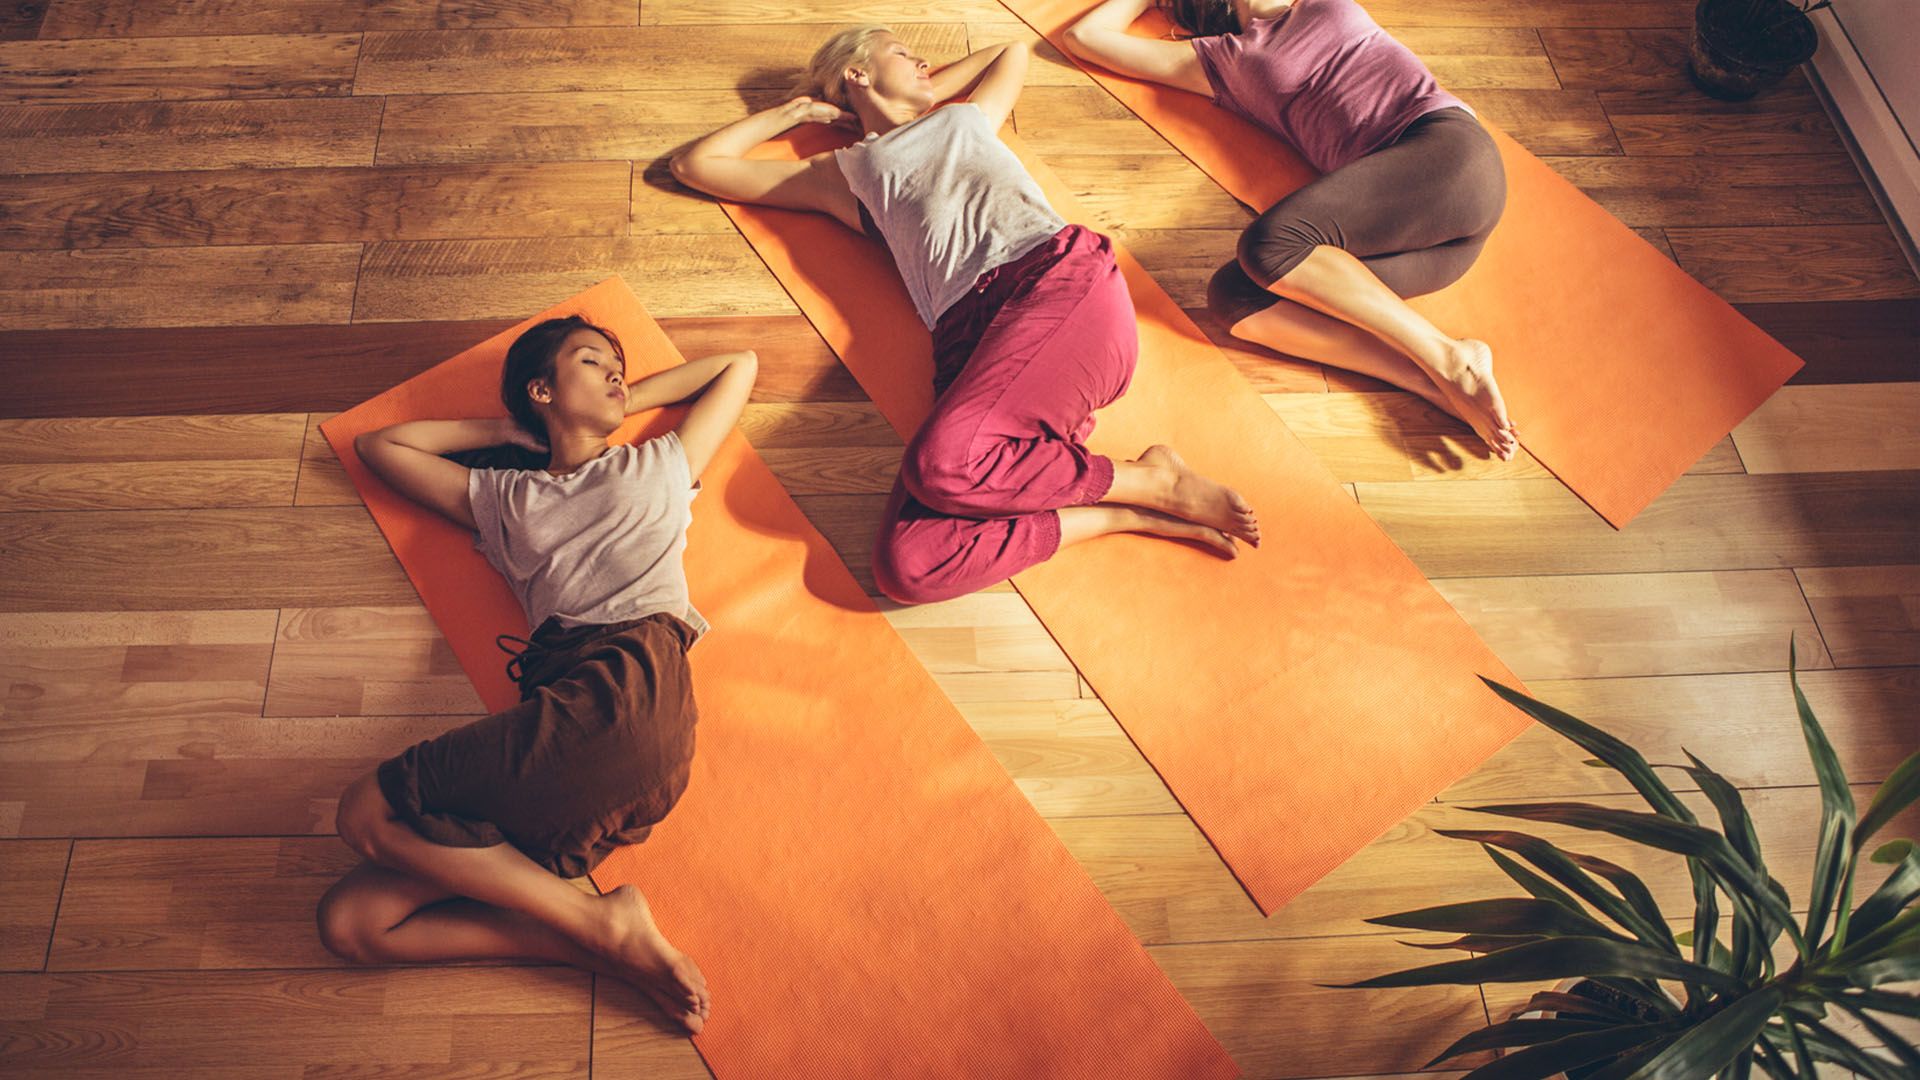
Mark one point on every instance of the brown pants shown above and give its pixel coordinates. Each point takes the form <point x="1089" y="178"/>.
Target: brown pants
<point x="1417" y="212"/>
<point x="597" y="751"/>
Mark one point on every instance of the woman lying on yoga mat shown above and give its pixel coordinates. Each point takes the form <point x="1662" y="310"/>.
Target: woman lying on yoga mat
<point x="1032" y="325"/>
<point x="467" y="836"/>
<point x="1411" y="187"/>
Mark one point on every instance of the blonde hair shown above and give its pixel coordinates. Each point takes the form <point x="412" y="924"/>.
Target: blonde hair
<point x="825" y="78"/>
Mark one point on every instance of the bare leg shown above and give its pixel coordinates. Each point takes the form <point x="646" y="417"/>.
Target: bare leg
<point x="1333" y="281"/>
<point x="1298" y="330"/>
<point x="1078" y="523"/>
<point x="617" y="929"/>
<point x="1160" y="480"/>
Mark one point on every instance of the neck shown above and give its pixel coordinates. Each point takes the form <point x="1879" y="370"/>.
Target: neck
<point x="571" y="449"/>
<point x="880" y="116"/>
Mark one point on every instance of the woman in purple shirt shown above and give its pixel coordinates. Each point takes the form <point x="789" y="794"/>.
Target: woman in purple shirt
<point x="1411" y="186"/>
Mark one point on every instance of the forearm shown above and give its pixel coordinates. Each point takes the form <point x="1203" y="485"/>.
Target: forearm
<point x="741" y="136"/>
<point x="677" y="383"/>
<point x="440" y="436"/>
<point x="1113" y="15"/>
<point x="959" y="78"/>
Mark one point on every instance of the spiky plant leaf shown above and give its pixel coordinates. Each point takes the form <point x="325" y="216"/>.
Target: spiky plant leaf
<point x="1509" y="918"/>
<point x="1898" y="792"/>
<point x="1518" y="1033"/>
<point x="1715" y="1042"/>
<point x="1562" y="868"/>
<point x="1560" y="958"/>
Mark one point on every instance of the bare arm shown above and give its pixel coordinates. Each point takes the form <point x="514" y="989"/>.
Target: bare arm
<point x="718" y="164"/>
<point x="407" y="457"/>
<point x="990" y="78"/>
<point x="1101" y="37"/>
<point x="723" y="384"/>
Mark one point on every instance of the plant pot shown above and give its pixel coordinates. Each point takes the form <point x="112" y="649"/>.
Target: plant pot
<point x="1741" y="47"/>
<point x="1588" y="989"/>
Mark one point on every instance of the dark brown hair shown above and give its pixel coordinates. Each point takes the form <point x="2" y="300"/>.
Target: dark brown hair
<point x="1202" y="18"/>
<point x="530" y="357"/>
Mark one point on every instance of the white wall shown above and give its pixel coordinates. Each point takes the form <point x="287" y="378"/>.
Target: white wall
<point x="1868" y="69"/>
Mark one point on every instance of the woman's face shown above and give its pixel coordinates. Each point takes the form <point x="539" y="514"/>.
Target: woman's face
<point x="894" y="73"/>
<point x="589" y="388"/>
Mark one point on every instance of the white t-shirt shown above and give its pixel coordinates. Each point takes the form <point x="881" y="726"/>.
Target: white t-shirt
<point x="599" y="545"/>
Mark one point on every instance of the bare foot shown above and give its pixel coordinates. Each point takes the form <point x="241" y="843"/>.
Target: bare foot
<point x="1198" y="499"/>
<point x="1155" y="523"/>
<point x="639" y="954"/>
<point x="1469" y="386"/>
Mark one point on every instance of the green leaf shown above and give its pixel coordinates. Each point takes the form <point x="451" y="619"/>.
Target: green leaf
<point x="1734" y="820"/>
<point x="1904" y="967"/>
<point x="1712" y="1044"/>
<point x="1480" y="943"/>
<point x="1512" y="918"/>
<point x="1560" y="958"/>
<point x="1899" y="791"/>
<point x="1775" y="1065"/>
<point x="1516" y="1033"/>
<point x="1889" y="1038"/>
<point x="1624" y="759"/>
<point x="1532" y="882"/>
<point x="1562" y="867"/>
<point x="1901" y="888"/>
<point x="1564" y="1004"/>
<point x="1872" y="946"/>
<point x="1894" y="851"/>
<point x="1886" y="1001"/>
<point x="1554" y="1058"/>
<point x="1827" y="1045"/>
<point x="1654" y="830"/>
<point x="1627" y="1063"/>
<point x="1832" y="862"/>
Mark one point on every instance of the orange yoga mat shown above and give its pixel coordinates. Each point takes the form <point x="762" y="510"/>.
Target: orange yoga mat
<point x="1619" y="369"/>
<point x="1300" y="700"/>
<point x="866" y="890"/>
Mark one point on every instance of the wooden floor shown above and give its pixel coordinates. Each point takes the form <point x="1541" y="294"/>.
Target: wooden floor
<point x="223" y="221"/>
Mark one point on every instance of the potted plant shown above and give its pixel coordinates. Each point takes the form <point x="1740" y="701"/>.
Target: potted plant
<point x="1741" y="47"/>
<point x="1654" y="1005"/>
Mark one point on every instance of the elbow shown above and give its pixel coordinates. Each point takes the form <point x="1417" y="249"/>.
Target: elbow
<point x="685" y="168"/>
<point x="1075" y="41"/>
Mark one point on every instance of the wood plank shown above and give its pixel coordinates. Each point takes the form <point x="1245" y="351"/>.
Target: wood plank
<point x="641" y="58"/>
<point x="322" y="480"/>
<point x="1070" y="757"/>
<point x="1608" y="625"/>
<point x="132" y="18"/>
<point x="1796" y="263"/>
<point x="54" y="629"/>
<point x="1239" y="989"/>
<point x="987" y="632"/>
<point x="129" y="136"/>
<point x="1732" y="522"/>
<point x="408" y="1021"/>
<point x="177" y="69"/>
<point x="890" y="12"/>
<point x="1833" y="429"/>
<point x="1532" y="12"/>
<point x="838" y="470"/>
<point x="715" y="274"/>
<point x="1742" y="725"/>
<point x="1787" y="119"/>
<point x="196" y="904"/>
<point x="1802" y="189"/>
<point x="1119" y="193"/>
<point x="1620" y="60"/>
<point x="1181" y="260"/>
<point x="1845" y="341"/>
<point x="593" y="125"/>
<point x="105" y="440"/>
<point x="1268" y="372"/>
<point x="31" y="875"/>
<point x="378" y="661"/>
<point x="783" y="425"/>
<point x="1464" y="57"/>
<point x="1080" y="119"/>
<point x="630" y="1038"/>
<point x="849" y="523"/>
<point x="1050" y="66"/>
<point x="20" y="20"/>
<point x="137" y="560"/>
<point x="146" y="485"/>
<point x="314" y="205"/>
<point x="191" y="286"/>
<point x="1546" y="121"/>
<point x="1868" y="615"/>
<point x="268" y="369"/>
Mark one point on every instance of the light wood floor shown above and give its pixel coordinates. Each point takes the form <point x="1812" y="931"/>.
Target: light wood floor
<point x="220" y="222"/>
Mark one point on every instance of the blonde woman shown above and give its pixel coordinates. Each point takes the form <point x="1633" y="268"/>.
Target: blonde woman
<point x="1033" y="328"/>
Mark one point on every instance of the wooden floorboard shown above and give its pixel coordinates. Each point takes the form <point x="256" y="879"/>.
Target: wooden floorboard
<point x="230" y="221"/>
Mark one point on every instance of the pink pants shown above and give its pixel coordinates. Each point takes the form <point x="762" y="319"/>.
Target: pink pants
<point x="1020" y="364"/>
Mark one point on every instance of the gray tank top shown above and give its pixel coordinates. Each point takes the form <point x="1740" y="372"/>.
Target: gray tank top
<point x="599" y="545"/>
<point x="950" y="200"/>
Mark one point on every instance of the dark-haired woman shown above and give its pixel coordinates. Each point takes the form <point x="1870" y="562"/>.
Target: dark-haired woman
<point x="467" y="836"/>
<point x="1411" y="186"/>
<point x="1033" y="328"/>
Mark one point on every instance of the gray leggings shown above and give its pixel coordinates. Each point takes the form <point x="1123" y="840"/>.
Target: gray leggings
<point x="1416" y="211"/>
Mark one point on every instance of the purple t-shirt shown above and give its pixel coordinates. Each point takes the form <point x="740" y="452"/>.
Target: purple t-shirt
<point x="1323" y="76"/>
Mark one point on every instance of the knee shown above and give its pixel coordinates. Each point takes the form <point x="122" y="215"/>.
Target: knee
<point x="343" y="927"/>
<point x="936" y="468"/>
<point x="1232" y="295"/>
<point x="905" y="570"/>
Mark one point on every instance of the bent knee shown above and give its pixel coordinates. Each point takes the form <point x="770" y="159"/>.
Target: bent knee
<point x="344" y="927"/>
<point x="1273" y="245"/>
<point x="906" y="570"/>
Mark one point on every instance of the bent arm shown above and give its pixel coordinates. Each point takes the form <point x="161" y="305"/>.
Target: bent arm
<point x="718" y="164"/>
<point x="1101" y="36"/>
<point x="990" y="78"/>
<point x="723" y="384"/>
<point x="407" y="457"/>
